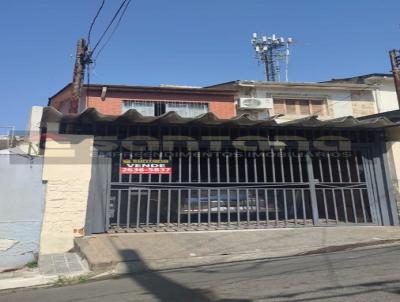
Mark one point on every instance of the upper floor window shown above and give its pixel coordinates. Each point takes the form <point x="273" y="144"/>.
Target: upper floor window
<point x="300" y="107"/>
<point x="157" y="108"/>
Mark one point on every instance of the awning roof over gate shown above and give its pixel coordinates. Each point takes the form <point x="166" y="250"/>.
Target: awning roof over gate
<point x="132" y="117"/>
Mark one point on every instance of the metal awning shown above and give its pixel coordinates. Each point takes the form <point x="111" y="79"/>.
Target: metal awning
<point x="133" y="117"/>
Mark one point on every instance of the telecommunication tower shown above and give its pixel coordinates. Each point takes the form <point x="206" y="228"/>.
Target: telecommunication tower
<point x="271" y="51"/>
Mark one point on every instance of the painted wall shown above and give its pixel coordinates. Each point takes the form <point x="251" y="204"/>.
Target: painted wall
<point x="387" y="97"/>
<point x="21" y="209"/>
<point x="67" y="171"/>
<point x="393" y="147"/>
<point x="339" y="102"/>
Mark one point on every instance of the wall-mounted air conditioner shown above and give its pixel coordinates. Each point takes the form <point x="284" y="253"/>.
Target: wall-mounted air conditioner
<point x="256" y="103"/>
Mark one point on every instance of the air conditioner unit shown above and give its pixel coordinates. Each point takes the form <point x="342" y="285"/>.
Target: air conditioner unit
<point x="256" y="103"/>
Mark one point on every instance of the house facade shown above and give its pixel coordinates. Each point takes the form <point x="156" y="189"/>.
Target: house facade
<point x="149" y="101"/>
<point x="294" y="100"/>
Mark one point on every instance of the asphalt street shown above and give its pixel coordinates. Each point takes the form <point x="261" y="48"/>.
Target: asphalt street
<point x="359" y="275"/>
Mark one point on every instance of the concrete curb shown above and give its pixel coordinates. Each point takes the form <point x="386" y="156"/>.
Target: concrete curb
<point x="130" y="253"/>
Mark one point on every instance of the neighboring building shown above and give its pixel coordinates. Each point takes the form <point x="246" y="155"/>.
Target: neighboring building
<point x="149" y="101"/>
<point x="385" y="90"/>
<point x="294" y="100"/>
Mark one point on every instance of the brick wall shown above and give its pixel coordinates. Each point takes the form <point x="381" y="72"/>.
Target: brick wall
<point x="221" y="105"/>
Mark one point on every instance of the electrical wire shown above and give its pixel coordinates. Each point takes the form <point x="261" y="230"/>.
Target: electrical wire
<point x="109" y="25"/>
<point x="94" y="20"/>
<point x="114" y="30"/>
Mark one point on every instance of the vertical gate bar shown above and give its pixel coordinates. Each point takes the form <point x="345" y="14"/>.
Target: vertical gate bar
<point x="148" y="208"/>
<point x="325" y="206"/>
<point x="159" y="175"/>
<point x="209" y="169"/>
<point x="300" y="167"/>
<point x="198" y="208"/>
<point x="170" y="175"/>
<point x="266" y="207"/>
<point x="257" y="207"/>
<point x="219" y="207"/>
<point x="130" y="157"/>
<point x="291" y="166"/>
<point x="198" y="167"/>
<point x="237" y="166"/>
<point x="119" y="164"/>
<point x="209" y="207"/>
<point x="285" y="206"/>
<point x="228" y="195"/>
<point x="248" y="207"/>
<point x="264" y="168"/>
<point x="339" y="170"/>
<point x="227" y="168"/>
<point x="190" y="166"/>
<point x="348" y="169"/>
<point x="169" y="208"/>
<point x="180" y="167"/>
<point x="128" y="208"/>
<point x="179" y="207"/>
<point x="276" y="208"/>
<point x="321" y="172"/>
<point x="273" y="165"/>
<point x="255" y="169"/>
<point x="303" y="202"/>
<point x="119" y="208"/>
<point x="140" y="175"/>
<point x="357" y="167"/>
<point x="363" y="205"/>
<point x="344" y="206"/>
<point x="335" y="205"/>
<point x="238" y="206"/>
<point x="330" y="167"/>
<point x="353" y="205"/>
<point x="294" y="206"/>
<point x="313" y="195"/>
<point x="138" y="209"/>
<point x="149" y="178"/>
<point x="282" y="168"/>
<point x="189" y="206"/>
<point x="158" y="207"/>
<point x="246" y="172"/>
<point x="218" y="168"/>
<point x="371" y="191"/>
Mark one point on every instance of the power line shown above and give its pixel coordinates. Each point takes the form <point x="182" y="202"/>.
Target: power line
<point x="109" y="25"/>
<point x="94" y="20"/>
<point x="114" y="30"/>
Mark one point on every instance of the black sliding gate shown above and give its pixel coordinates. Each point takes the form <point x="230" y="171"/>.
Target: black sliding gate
<point x="231" y="189"/>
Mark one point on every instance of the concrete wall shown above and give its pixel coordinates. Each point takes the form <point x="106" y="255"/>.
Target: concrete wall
<point x="339" y="102"/>
<point x="21" y="209"/>
<point x="387" y="97"/>
<point x="393" y="146"/>
<point x="67" y="170"/>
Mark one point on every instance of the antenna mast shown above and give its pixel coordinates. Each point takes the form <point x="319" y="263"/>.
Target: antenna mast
<point x="271" y="51"/>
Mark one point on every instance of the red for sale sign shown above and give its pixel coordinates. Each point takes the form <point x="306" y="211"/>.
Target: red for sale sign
<point x="145" y="166"/>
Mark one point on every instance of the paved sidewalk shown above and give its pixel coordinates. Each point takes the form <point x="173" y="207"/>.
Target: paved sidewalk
<point x="51" y="269"/>
<point x="137" y="252"/>
<point x="60" y="264"/>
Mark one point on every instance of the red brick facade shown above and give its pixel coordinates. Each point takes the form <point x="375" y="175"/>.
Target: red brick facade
<point x="220" y="102"/>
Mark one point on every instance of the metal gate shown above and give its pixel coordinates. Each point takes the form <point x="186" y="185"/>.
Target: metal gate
<point x="228" y="190"/>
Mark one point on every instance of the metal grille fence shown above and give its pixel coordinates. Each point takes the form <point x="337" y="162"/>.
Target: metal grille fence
<point x="218" y="190"/>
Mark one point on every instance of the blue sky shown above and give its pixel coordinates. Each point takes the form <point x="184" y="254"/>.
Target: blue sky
<point x="186" y="42"/>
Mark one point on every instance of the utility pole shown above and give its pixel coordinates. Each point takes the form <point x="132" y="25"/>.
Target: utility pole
<point x="395" y="61"/>
<point x="83" y="58"/>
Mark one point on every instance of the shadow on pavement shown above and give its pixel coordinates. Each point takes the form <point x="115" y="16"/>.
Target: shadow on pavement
<point x="163" y="288"/>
